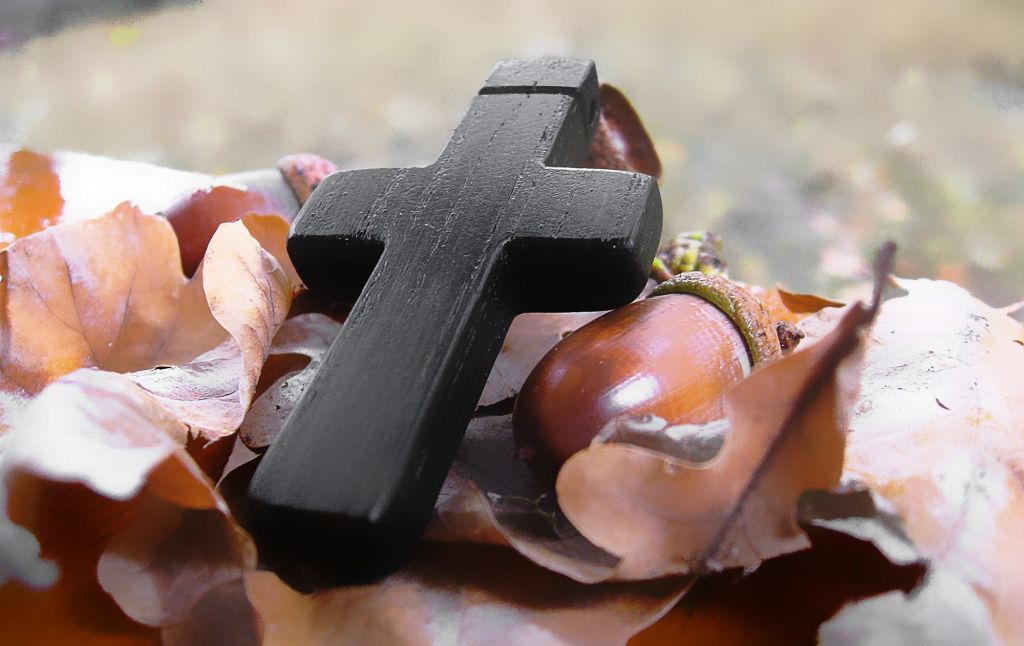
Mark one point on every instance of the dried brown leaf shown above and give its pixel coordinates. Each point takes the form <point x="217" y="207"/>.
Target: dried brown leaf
<point x="95" y="293"/>
<point x="95" y="471"/>
<point x="937" y="434"/>
<point x="196" y="218"/>
<point x="805" y="303"/>
<point x="304" y="172"/>
<point x="294" y="357"/>
<point x="621" y="142"/>
<point x="661" y="515"/>
<point x="789" y="306"/>
<point x="462" y="595"/>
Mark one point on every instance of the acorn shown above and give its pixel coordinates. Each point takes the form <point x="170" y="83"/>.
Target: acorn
<point x="672" y="355"/>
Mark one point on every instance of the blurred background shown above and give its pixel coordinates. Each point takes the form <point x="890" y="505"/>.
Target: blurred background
<point x="804" y="131"/>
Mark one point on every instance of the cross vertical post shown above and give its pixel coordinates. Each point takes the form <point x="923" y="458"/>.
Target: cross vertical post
<point x="445" y="257"/>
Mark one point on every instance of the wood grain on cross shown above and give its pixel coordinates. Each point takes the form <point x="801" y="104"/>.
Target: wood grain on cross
<point x="445" y="257"/>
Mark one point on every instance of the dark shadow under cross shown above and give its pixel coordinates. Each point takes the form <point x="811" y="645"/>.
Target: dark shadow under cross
<point x="445" y="256"/>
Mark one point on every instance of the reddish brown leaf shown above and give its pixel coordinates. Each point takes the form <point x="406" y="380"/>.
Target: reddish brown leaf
<point x="30" y="198"/>
<point x="130" y="487"/>
<point x="304" y="172"/>
<point x="196" y="218"/>
<point x="247" y="295"/>
<point x="621" y="142"/>
<point x="938" y="434"/>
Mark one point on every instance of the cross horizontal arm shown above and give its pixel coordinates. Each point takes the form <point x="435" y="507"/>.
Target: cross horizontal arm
<point x="340" y="234"/>
<point x="583" y="224"/>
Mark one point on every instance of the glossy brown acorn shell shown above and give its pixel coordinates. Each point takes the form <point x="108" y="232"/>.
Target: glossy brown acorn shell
<point x="672" y="356"/>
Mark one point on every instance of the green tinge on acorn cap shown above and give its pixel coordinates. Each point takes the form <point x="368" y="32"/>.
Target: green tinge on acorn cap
<point x="745" y="311"/>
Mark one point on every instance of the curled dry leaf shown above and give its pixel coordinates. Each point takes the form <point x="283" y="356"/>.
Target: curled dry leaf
<point x="95" y="471"/>
<point x="271" y="231"/>
<point x="621" y="142"/>
<point x="293" y="359"/>
<point x="247" y="295"/>
<point x="304" y="172"/>
<point x="196" y="218"/>
<point x="107" y="293"/>
<point x="789" y="306"/>
<point x="528" y="339"/>
<point x="461" y="595"/>
<point x="491" y="497"/>
<point x="937" y="432"/>
<point x="662" y="515"/>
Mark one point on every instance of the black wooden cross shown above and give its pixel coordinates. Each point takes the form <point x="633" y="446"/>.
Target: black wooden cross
<point x="446" y="256"/>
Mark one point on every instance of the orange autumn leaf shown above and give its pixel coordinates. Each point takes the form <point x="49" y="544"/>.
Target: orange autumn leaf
<point x="97" y="442"/>
<point x="937" y="433"/>
<point x="271" y="231"/>
<point x="30" y="198"/>
<point x="97" y="293"/>
<point x="108" y="293"/>
<point x="790" y="307"/>
<point x="662" y="515"/>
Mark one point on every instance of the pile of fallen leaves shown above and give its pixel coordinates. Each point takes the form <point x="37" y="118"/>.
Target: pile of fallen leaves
<point x="869" y="485"/>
